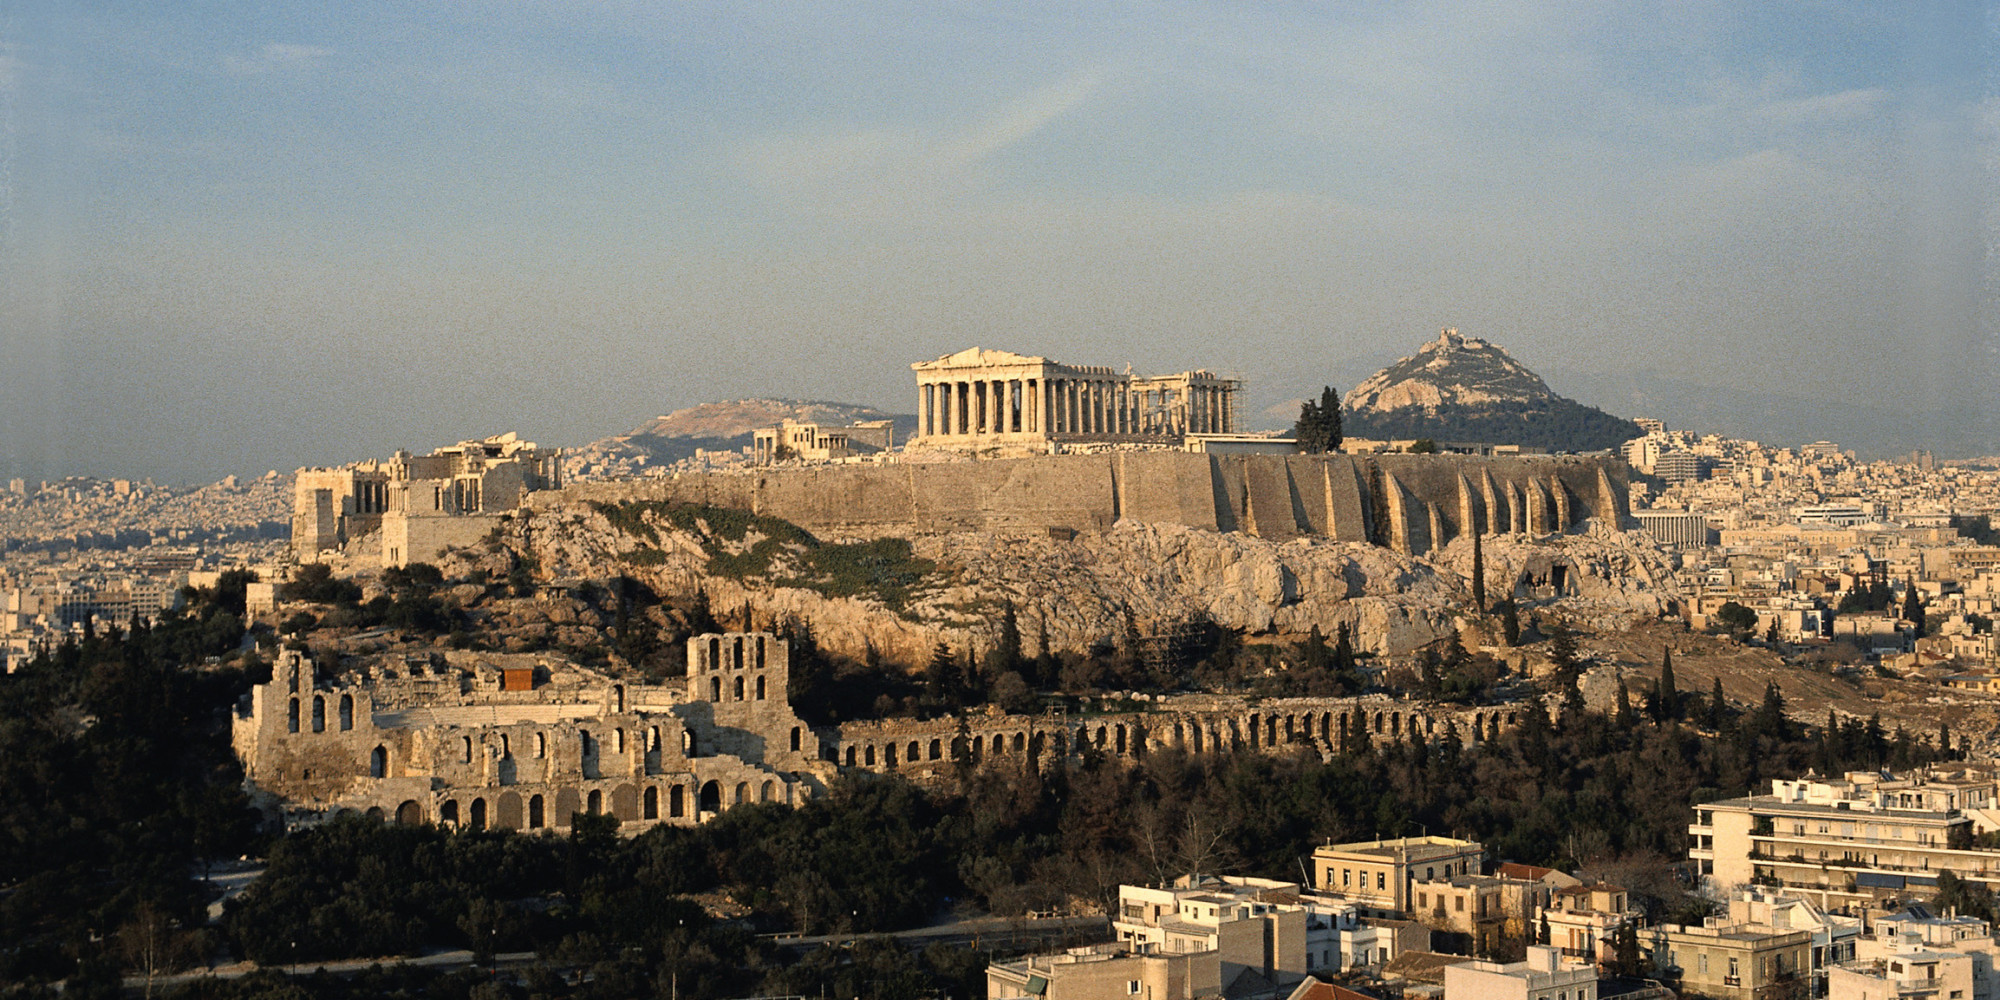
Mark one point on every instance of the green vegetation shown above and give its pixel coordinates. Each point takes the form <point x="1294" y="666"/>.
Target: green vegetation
<point x="116" y="777"/>
<point x="1557" y="425"/>
<point x="1318" y="428"/>
<point x="740" y="544"/>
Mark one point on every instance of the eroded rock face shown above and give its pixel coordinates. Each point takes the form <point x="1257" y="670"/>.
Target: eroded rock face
<point x="1083" y="591"/>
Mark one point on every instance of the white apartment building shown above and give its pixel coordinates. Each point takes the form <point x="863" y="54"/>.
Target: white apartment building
<point x="1861" y="837"/>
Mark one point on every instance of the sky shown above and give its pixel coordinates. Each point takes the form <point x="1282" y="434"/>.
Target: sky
<point x="239" y="237"/>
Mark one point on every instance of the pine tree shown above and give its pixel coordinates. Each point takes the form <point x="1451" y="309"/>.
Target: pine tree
<point x="1478" y="575"/>
<point x="1717" y="706"/>
<point x="1318" y="428"/>
<point x="1913" y="605"/>
<point x="1944" y="739"/>
<point x="1666" y="696"/>
<point x="1624" y="719"/>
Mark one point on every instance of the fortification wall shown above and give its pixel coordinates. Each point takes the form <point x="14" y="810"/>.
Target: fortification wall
<point x="1412" y="503"/>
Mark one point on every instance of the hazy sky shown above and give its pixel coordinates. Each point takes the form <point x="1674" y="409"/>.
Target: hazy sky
<point x="245" y="236"/>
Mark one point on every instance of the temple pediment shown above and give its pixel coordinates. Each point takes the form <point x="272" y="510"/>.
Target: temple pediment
<point x="977" y="357"/>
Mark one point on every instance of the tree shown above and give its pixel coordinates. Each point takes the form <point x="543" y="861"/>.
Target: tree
<point x="1717" y="706"/>
<point x="1423" y="446"/>
<point x="1666" y="697"/>
<point x="1736" y="617"/>
<point x="1624" y="719"/>
<point x="1510" y="623"/>
<point x="1478" y="575"/>
<point x="1913" y="605"/>
<point x="1318" y="428"/>
<point x="1626" y="950"/>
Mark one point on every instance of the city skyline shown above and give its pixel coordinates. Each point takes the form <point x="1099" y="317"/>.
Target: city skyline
<point x="239" y="243"/>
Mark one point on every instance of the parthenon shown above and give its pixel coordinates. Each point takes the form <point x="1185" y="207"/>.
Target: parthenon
<point x="979" y="400"/>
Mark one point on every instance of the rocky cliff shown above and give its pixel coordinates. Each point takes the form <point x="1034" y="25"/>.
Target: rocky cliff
<point x="1083" y="590"/>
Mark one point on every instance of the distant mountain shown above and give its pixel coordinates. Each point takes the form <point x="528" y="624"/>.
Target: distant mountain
<point x="725" y="426"/>
<point x="1463" y="389"/>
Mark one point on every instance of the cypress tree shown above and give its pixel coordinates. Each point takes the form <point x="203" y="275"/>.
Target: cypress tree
<point x="1717" y="706"/>
<point x="1913" y="605"/>
<point x="1478" y="575"/>
<point x="1666" y="697"/>
<point x="1510" y="624"/>
<point x="1624" y="718"/>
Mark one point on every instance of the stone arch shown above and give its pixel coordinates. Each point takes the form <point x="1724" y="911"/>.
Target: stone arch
<point x="378" y="762"/>
<point x="346" y="712"/>
<point x="541" y="745"/>
<point x="999" y="744"/>
<point x="1381" y="720"/>
<point x="767" y="793"/>
<point x="1180" y="735"/>
<point x="1099" y="741"/>
<point x="737" y="688"/>
<point x="1271" y="731"/>
<point x="742" y="793"/>
<point x="409" y="813"/>
<point x="797" y="739"/>
<point x="916" y="752"/>
<point x="448" y="812"/>
<point x="676" y="802"/>
<point x="625" y="803"/>
<point x="618" y="698"/>
<point x="292" y="718"/>
<point x="889" y="754"/>
<point x="568" y="803"/>
<point x="319" y="713"/>
<point x="465" y="749"/>
<point x="937" y="749"/>
<point x="594" y="803"/>
<point x="1395" y="723"/>
<point x="850" y="756"/>
<point x="687" y="743"/>
<point x="1256" y="724"/>
<point x="959" y="748"/>
<point x="715" y="689"/>
<point x="1118" y="738"/>
<point x="867" y="758"/>
<point x="507" y="811"/>
<point x="375" y="813"/>
<point x="1194" y="738"/>
<point x="537" y="815"/>
<point x="1020" y="742"/>
<point x="710" y="799"/>
<point x="760" y="687"/>
<point x="618" y="740"/>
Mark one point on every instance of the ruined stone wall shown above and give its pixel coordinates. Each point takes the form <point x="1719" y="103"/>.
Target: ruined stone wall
<point x="459" y="748"/>
<point x="931" y="749"/>
<point x="1412" y="503"/>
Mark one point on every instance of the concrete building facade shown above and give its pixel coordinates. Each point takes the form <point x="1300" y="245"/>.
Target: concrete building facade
<point x="1862" y="837"/>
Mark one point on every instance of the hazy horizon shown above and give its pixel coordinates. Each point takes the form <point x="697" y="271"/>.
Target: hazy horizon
<point x="293" y="236"/>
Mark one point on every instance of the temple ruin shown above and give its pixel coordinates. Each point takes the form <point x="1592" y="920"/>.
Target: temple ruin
<point x="1005" y="403"/>
<point x="410" y="508"/>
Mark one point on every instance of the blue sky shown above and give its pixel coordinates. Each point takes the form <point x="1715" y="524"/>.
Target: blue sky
<point x="250" y="236"/>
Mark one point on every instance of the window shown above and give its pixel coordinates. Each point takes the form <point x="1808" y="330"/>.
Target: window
<point x="1702" y="960"/>
<point x="1381" y="880"/>
<point x="1460" y="901"/>
<point x="1346" y="875"/>
<point x="1423" y="899"/>
<point x="1430" y="873"/>
<point x="1132" y="987"/>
